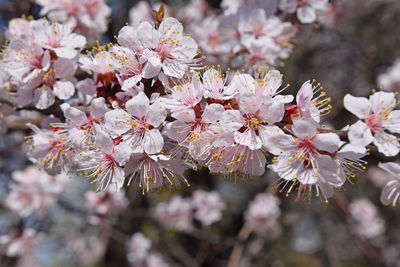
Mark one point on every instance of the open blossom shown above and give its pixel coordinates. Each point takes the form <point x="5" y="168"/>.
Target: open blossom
<point x="208" y="207"/>
<point x="182" y="98"/>
<point x="24" y="61"/>
<point x="376" y="116"/>
<point x="177" y="213"/>
<point x="391" y="192"/>
<point x="57" y="37"/>
<point x="43" y="62"/>
<point x="102" y="65"/>
<point x="367" y="221"/>
<point x="78" y="126"/>
<point x="306" y="159"/>
<point x="88" y="16"/>
<point x="191" y="129"/>
<point x="156" y="171"/>
<point x="51" y="150"/>
<point x="34" y="191"/>
<point x="167" y="48"/>
<point x="138" y="124"/>
<point x="270" y="36"/>
<point x="103" y="164"/>
<point x="263" y="212"/>
<point x="306" y="10"/>
<point x="249" y="124"/>
<point x="310" y="103"/>
<point x="215" y="86"/>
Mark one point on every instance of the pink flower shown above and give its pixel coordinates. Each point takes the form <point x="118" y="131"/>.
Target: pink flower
<point x="269" y="35"/>
<point x="376" y="116"/>
<point x="56" y="81"/>
<point x="266" y="83"/>
<point x="139" y="124"/>
<point x="102" y="65"/>
<point x="131" y="67"/>
<point x="167" y="48"/>
<point x="152" y="172"/>
<point x="248" y="124"/>
<point x="177" y="213"/>
<point x="311" y="102"/>
<point x="24" y="61"/>
<point x="104" y="163"/>
<point x="191" y="130"/>
<point x="391" y="192"/>
<point x="367" y="221"/>
<point x="183" y="97"/>
<point x="236" y="161"/>
<point x="34" y="191"/>
<point x="57" y="37"/>
<point x="78" y="127"/>
<point x="51" y="150"/>
<point x="214" y="86"/>
<point x="208" y="207"/>
<point x="138" y="248"/>
<point x="306" y="159"/>
<point x="263" y="212"/>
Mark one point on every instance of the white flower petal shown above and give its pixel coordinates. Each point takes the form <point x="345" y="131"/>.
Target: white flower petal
<point x="64" y="89"/>
<point x="359" y="106"/>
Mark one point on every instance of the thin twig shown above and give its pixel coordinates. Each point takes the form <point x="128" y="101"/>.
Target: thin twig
<point x="237" y="251"/>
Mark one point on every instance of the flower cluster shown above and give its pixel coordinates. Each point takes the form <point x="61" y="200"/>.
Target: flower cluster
<point x="178" y="213"/>
<point x="34" y="191"/>
<point x="88" y="16"/>
<point x="41" y="58"/>
<point x="139" y="254"/>
<point x="146" y="113"/>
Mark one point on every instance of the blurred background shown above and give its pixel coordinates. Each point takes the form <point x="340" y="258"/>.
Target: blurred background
<point x="353" y="49"/>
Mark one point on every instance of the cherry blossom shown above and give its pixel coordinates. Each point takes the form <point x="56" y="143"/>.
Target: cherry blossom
<point x="377" y="115"/>
<point x="263" y="212"/>
<point x="391" y="192"/>
<point x="208" y="207"/>
<point x="139" y="124"/>
<point x="306" y="159"/>
<point x="167" y="48"/>
<point x="34" y="191"/>
<point x="103" y="163"/>
<point x="90" y="16"/>
<point x="368" y="222"/>
<point x="176" y="214"/>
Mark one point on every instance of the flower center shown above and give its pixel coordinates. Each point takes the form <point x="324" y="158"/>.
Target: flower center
<point x="251" y="121"/>
<point x="163" y="51"/>
<point x="374" y="122"/>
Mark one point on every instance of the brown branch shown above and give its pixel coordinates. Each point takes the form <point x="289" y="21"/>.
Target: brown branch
<point x="237" y="251"/>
